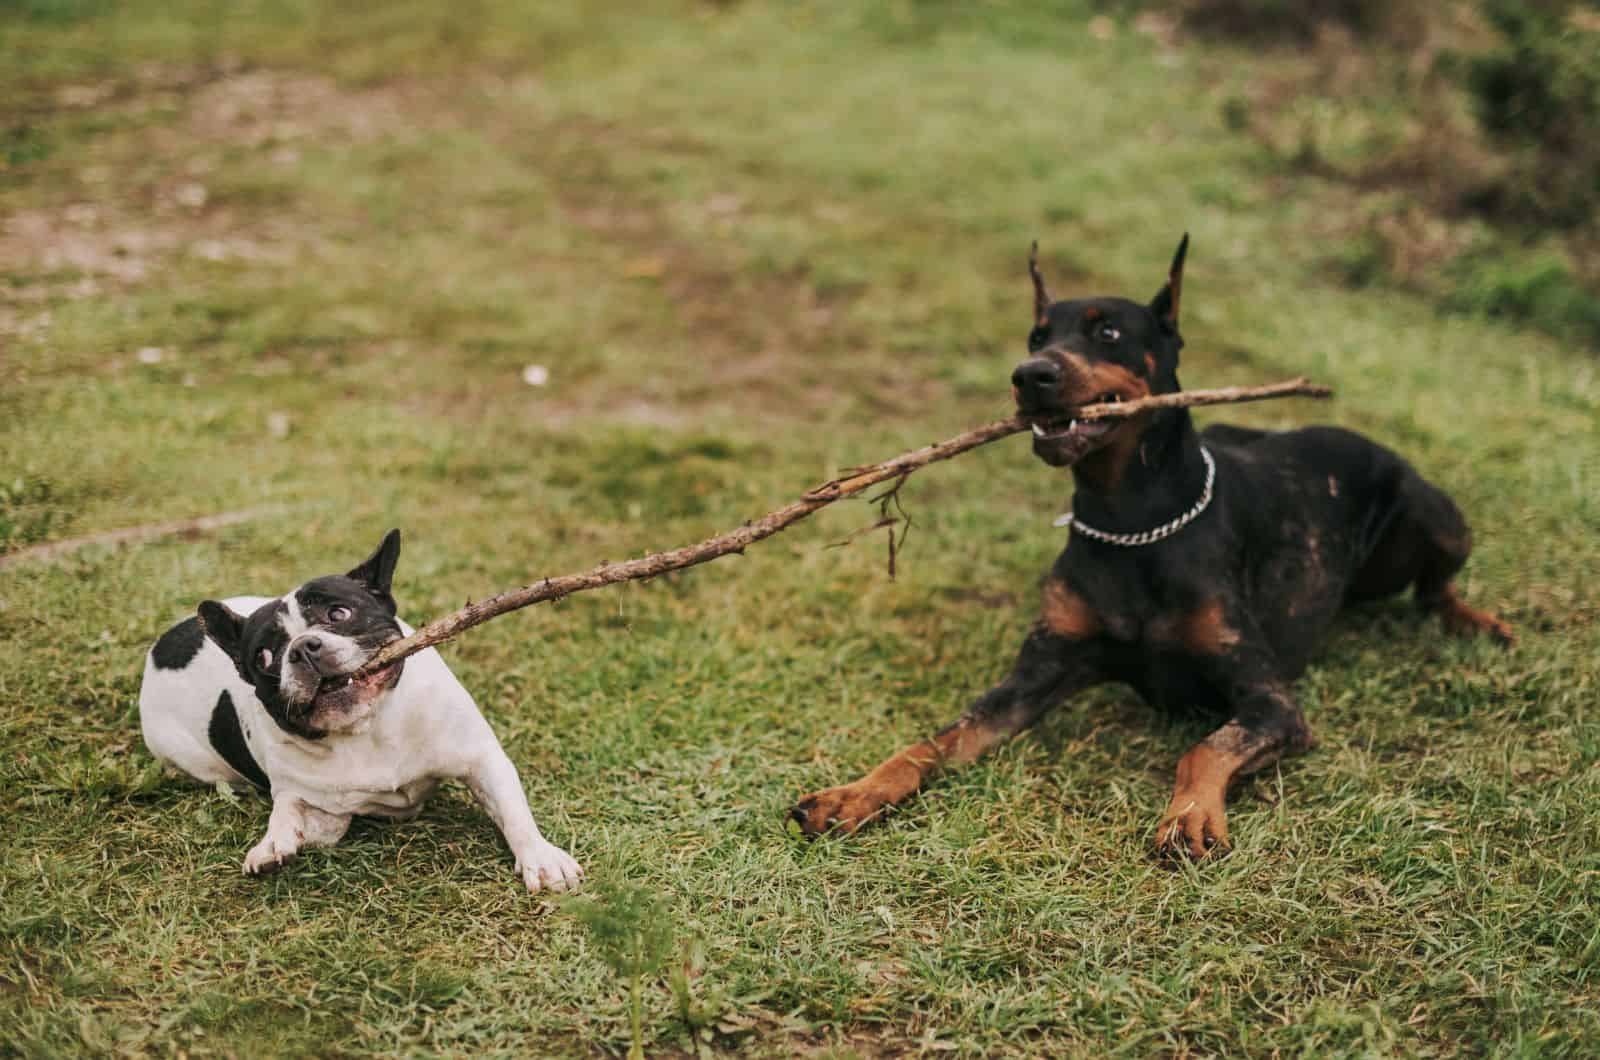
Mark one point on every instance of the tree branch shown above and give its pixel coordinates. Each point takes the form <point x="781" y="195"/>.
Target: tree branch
<point x="853" y="482"/>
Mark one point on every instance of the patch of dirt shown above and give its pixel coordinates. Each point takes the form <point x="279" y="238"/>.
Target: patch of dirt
<point x="774" y="343"/>
<point x="77" y="239"/>
<point x="757" y="332"/>
<point x="763" y="342"/>
<point x="272" y="108"/>
<point x="113" y="235"/>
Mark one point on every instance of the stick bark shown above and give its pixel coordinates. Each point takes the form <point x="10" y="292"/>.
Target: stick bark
<point x="854" y="481"/>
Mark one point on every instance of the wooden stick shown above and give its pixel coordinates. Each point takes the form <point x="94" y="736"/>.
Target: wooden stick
<point x="132" y="534"/>
<point x="852" y="482"/>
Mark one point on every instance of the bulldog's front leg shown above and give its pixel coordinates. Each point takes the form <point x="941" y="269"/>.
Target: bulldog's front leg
<point x="294" y="824"/>
<point x="495" y="783"/>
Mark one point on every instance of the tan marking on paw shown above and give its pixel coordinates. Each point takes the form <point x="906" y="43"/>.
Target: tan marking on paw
<point x="847" y="808"/>
<point x="1466" y="621"/>
<point x="1195" y="824"/>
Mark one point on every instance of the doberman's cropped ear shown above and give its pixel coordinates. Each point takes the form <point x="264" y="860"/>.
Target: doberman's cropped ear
<point x="1165" y="303"/>
<point x="1041" y="297"/>
<point x="224" y="626"/>
<point x="377" y="571"/>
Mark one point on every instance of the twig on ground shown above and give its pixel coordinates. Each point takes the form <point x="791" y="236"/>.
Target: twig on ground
<point x="853" y="482"/>
<point x="132" y="534"/>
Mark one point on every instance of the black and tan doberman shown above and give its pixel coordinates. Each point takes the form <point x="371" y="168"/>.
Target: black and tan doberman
<point x="1203" y="568"/>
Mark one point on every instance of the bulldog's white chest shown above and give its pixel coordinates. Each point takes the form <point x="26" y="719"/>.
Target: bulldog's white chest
<point x="426" y="728"/>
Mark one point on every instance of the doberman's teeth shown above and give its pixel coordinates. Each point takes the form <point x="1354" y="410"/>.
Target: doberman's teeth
<point x="1038" y="431"/>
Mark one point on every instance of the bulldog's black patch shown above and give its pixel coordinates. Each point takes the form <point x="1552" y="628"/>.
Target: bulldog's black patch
<point x="228" y="739"/>
<point x="358" y="607"/>
<point x="366" y="616"/>
<point x="179" y="645"/>
<point x="260" y="662"/>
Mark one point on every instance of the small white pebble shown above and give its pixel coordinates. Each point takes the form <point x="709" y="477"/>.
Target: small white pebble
<point x="191" y="195"/>
<point x="536" y="375"/>
<point x="151" y="355"/>
<point x="278" y="424"/>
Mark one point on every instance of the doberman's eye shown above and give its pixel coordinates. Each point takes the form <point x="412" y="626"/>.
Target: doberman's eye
<point x="338" y="614"/>
<point x="263" y="658"/>
<point x="1107" y="333"/>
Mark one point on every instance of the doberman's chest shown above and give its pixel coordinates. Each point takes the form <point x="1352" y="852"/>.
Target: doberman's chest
<point x="1175" y="625"/>
<point x="1169" y="649"/>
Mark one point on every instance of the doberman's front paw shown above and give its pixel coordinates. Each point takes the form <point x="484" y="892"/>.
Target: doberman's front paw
<point x="843" y="809"/>
<point x="1195" y="824"/>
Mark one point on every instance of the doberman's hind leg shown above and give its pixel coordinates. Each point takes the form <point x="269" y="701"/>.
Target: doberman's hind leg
<point x="1425" y="545"/>
<point x="1048" y="670"/>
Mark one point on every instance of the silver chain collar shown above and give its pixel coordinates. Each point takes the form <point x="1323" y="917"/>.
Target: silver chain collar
<point x="1161" y="532"/>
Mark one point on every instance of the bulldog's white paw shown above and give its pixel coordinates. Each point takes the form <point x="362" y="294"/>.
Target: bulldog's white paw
<point x="267" y="857"/>
<point x="549" y="866"/>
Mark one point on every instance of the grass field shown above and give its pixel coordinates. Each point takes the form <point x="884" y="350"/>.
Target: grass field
<point x="294" y="257"/>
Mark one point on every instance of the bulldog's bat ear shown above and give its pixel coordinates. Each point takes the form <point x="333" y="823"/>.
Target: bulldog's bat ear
<point x="224" y="626"/>
<point x="377" y="571"/>
<point x="1165" y="303"/>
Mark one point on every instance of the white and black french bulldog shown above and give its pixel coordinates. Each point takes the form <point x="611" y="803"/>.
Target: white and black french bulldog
<point x="256" y="691"/>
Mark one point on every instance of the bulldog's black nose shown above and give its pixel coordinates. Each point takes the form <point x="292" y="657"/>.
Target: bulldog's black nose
<point x="1036" y="379"/>
<point x="307" y="648"/>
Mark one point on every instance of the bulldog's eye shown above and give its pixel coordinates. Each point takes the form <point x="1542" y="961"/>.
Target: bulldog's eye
<point x="264" y="659"/>
<point x="1107" y="333"/>
<point x="338" y="614"/>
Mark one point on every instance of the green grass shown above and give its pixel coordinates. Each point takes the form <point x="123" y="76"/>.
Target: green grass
<point x="753" y="244"/>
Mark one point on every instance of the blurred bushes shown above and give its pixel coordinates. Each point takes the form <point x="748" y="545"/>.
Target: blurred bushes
<point x="1299" y="20"/>
<point x="1537" y="94"/>
<point x="1540" y="288"/>
<point x="1469" y="133"/>
<point x="58" y="12"/>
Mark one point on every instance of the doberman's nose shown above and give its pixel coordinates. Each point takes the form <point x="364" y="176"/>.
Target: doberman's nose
<point x="1036" y="379"/>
